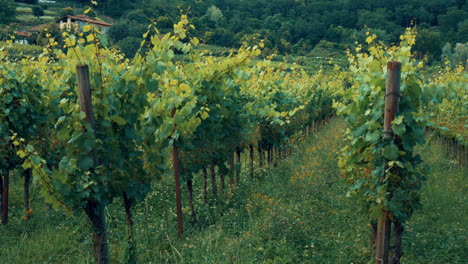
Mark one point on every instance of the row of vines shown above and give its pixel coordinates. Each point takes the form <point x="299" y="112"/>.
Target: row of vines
<point x="381" y="162"/>
<point x="127" y="123"/>
<point x="91" y="127"/>
<point x="448" y="110"/>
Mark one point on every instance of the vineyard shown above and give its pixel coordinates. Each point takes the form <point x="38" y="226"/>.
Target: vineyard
<point x="162" y="152"/>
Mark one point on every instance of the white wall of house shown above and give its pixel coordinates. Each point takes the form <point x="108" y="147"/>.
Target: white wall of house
<point x="22" y="41"/>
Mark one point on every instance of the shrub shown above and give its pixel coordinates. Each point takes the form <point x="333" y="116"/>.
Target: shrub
<point x="125" y="28"/>
<point x="129" y="46"/>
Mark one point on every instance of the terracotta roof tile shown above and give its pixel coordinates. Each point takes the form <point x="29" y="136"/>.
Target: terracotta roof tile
<point x="87" y="19"/>
<point x="23" y="34"/>
<point x="37" y="28"/>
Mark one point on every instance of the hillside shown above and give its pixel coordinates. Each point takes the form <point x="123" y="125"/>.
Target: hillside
<point x="302" y="27"/>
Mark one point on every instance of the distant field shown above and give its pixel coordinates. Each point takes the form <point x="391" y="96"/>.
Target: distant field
<point x="50" y="13"/>
<point x="24" y="14"/>
<point x="27" y="10"/>
<point x="31" y="18"/>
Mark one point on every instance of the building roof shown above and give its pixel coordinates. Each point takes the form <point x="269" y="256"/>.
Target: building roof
<point x="37" y="28"/>
<point x="22" y="34"/>
<point x="87" y="19"/>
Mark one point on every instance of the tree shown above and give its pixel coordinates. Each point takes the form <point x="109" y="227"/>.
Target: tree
<point x="214" y="14"/>
<point x="116" y="8"/>
<point x="449" y="23"/>
<point x="138" y="16"/>
<point x="164" y="22"/>
<point x="459" y="56"/>
<point x="30" y="2"/>
<point x="129" y="46"/>
<point x="125" y="28"/>
<point x="223" y="37"/>
<point x="462" y="34"/>
<point x="7" y="11"/>
<point x="37" y="11"/>
<point x="427" y="44"/>
<point x="67" y="11"/>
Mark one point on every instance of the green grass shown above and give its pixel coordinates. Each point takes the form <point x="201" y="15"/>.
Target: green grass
<point x="50" y="13"/>
<point x="296" y="212"/>
<point x="27" y="10"/>
<point x="438" y="232"/>
<point x="32" y="19"/>
<point x="24" y="14"/>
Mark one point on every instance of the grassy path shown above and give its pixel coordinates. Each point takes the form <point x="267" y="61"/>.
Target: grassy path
<point x="297" y="212"/>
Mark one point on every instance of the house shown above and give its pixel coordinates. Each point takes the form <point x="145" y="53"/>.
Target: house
<point x="22" y="37"/>
<point x="79" y="21"/>
<point x="67" y="22"/>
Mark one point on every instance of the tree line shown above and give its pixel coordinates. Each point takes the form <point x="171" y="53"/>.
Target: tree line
<point x="322" y="28"/>
<point x="303" y="27"/>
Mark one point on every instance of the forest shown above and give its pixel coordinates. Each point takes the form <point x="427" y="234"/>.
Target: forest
<point x="313" y="28"/>
<point x="302" y="27"/>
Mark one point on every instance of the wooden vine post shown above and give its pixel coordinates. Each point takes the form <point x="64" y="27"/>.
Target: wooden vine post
<point x="94" y="208"/>
<point x="392" y="98"/>
<point x="238" y="167"/>
<point x="231" y="171"/>
<point x="251" y="152"/>
<point x="175" y="160"/>
<point x="5" y="194"/>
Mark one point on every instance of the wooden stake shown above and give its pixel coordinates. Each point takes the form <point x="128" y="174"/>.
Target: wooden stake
<point x="231" y="171"/>
<point x="27" y="207"/>
<point x="392" y="98"/>
<point x="84" y="93"/>
<point x="94" y="209"/>
<point x="260" y="156"/>
<point x="251" y="152"/>
<point x="175" y="161"/>
<point x="205" y="185"/>
<point x="382" y="239"/>
<point x="190" y="199"/>
<point x="238" y="167"/>
<point x="213" y="179"/>
<point x="6" y="184"/>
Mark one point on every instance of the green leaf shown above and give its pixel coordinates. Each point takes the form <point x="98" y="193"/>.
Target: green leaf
<point x="119" y="120"/>
<point x="391" y="152"/>
<point x="30" y="148"/>
<point x="21" y="153"/>
<point x="60" y="120"/>
<point x="360" y="131"/>
<point x="398" y="120"/>
<point x="74" y="137"/>
<point x="82" y="115"/>
<point x="399" y="129"/>
<point x="204" y="115"/>
<point x="26" y="164"/>
<point x="63" y="134"/>
<point x="85" y="163"/>
<point x="36" y="160"/>
<point x="373" y="136"/>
